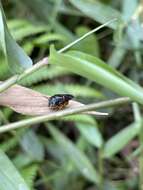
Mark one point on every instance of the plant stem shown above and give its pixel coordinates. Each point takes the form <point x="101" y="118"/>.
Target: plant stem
<point x="5" y="85"/>
<point x="59" y="114"/>
<point x="16" y="78"/>
<point x="85" y="36"/>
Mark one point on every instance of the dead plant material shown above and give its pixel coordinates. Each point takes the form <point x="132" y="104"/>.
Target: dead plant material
<point x="29" y="102"/>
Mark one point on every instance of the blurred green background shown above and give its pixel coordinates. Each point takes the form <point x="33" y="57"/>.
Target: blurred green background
<point x="78" y="152"/>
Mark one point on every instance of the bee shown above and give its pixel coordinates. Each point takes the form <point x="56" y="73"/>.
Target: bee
<point x="59" y="101"/>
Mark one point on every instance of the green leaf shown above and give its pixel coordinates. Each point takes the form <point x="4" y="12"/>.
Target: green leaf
<point x="91" y="133"/>
<point x="32" y="145"/>
<point x="96" y="70"/>
<point x="77" y="157"/>
<point x="120" y="140"/>
<point x="14" y="56"/>
<point x="29" y="174"/>
<point x="9" y="176"/>
<point x="97" y="11"/>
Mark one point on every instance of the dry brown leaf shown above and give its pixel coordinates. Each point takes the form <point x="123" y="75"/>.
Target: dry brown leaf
<point x="29" y="102"/>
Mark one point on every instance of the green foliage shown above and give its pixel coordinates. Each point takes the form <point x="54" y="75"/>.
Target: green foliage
<point x="83" y="149"/>
<point x="97" y="11"/>
<point x="9" y="176"/>
<point x="32" y="146"/>
<point x="120" y="140"/>
<point x="83" y="45"/>
<point x="91" y="133"/>
<point x="10" y="144"/>
<point x="12" y="140"/>
<point x="76" y="156"/>
<point x="22" y="160"/>
<point x="4" y="70"/>
<point x="13" y="54"/>
<point x="43" y="74"/>
<point x="96" y="70"/>
<point x="21" y="29"/>
<point x="29" y="174"/>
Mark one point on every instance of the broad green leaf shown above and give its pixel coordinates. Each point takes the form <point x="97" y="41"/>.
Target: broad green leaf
<point x="10" y="179"/>
<point x="120" y="140"/>
<point x="91" y="133"/>
<point x="14" y="55"/>
<point x="96" y="70"/>
<point x="77" y="157"/>
<point x="97" y="11"/>
<point x="32" y="145"/>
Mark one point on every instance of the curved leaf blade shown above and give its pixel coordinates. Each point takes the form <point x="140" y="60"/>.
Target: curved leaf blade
<point x="14" y="55"/>
<point x="9" y="176"/>
<point x="96" y="70"/>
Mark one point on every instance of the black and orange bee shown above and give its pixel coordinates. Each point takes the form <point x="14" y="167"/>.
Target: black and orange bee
<point x="59" y="101"/>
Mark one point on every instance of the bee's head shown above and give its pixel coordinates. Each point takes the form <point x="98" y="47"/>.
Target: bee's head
<point x="68" y="97"/>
